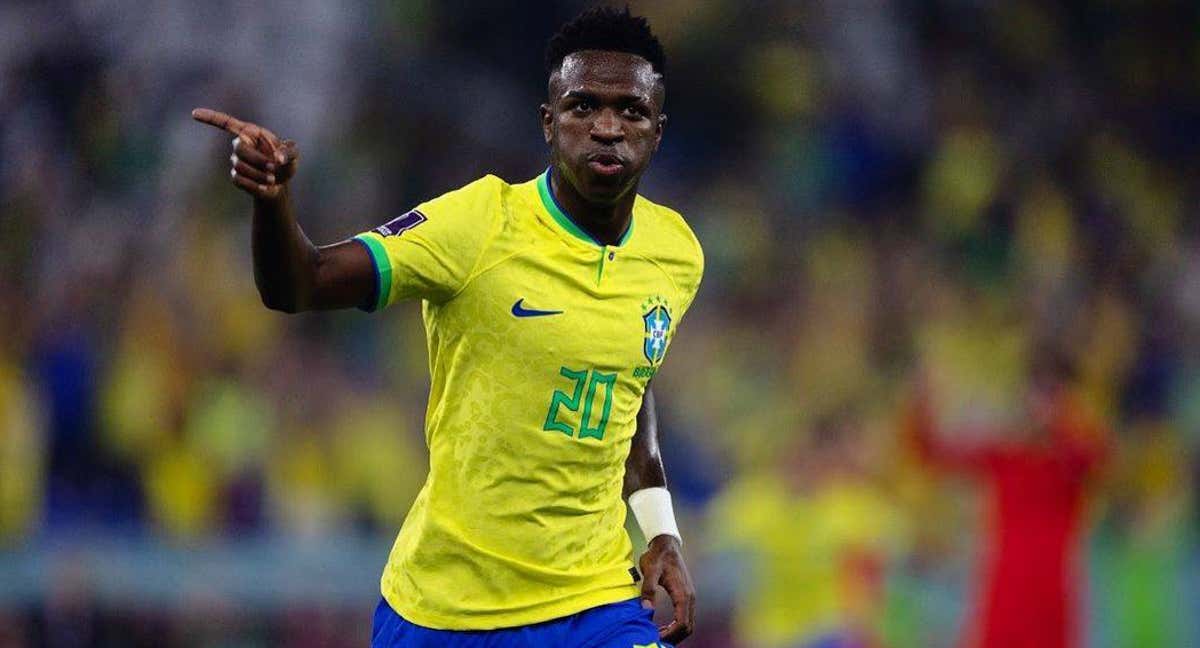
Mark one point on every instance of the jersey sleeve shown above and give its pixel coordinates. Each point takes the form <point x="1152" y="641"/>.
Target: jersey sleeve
<point x="690" y="268"/>
<point x="682" y="259"/>
<point x="430" y="252"/>
<point x="689" y="283"/>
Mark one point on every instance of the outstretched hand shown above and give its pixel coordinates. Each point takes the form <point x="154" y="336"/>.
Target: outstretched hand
<point x="261" y="163"/>
<point x="663" y="565"/>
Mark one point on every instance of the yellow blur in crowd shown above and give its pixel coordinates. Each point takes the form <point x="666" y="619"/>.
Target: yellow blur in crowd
<point x="788" y="378"/>
<point x="194" y="408"/>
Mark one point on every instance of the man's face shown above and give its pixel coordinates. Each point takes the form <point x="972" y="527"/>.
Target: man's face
<point x="603" y="122"/>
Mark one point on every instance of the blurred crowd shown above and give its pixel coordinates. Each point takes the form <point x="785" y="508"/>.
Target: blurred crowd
<point x="888" y="193"/>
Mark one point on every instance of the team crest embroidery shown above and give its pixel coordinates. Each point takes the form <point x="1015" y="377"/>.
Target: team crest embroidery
<point x="401" y="224"/>
<point x="657" y="317"/>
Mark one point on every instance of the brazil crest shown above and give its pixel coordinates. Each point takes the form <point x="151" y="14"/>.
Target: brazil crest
<point x="658" y="326"/>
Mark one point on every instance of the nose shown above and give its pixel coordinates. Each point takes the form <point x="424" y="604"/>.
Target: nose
<point x="606" y="127"/>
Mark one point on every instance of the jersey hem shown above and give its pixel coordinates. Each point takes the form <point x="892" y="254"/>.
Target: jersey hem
<point x="499" y="620"/>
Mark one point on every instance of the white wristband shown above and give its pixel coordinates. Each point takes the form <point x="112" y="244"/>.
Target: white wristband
<point x="652" y="508"/>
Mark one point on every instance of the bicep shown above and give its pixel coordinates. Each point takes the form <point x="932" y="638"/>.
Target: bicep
<point x="429" y="253"/>
<point x="345" y="276"/>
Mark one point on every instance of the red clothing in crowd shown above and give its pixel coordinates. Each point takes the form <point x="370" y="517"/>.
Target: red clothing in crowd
<point x="1031" y="572"/>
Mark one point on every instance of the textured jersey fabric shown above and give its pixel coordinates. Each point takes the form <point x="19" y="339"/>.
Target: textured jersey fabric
<point x="541" y="343"/>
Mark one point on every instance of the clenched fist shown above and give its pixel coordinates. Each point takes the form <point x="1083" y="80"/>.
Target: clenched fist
<point x="261" y="163"/>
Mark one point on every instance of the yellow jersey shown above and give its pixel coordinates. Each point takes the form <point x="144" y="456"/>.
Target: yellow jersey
<point x="541" y="343"/>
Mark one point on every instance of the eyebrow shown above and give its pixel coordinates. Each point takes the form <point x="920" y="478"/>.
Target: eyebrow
<point x="622" y="99"/>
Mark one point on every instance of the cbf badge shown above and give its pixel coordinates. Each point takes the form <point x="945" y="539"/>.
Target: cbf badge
<point x="657" y="317"/>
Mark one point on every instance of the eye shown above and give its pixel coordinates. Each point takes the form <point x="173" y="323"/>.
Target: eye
<point x="584" y="107"/>
<point x="634" y="112"/>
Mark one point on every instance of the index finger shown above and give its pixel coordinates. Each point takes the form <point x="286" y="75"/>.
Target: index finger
<point x="219" y="119"/>
<point x="683" y="613"/>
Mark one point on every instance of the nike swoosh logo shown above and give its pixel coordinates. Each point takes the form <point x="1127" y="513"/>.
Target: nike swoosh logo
<point x="520" y="311"/>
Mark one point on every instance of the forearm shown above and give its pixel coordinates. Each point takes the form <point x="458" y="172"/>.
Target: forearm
<point x="285" y="261"/>
<point x="662" y="564"/>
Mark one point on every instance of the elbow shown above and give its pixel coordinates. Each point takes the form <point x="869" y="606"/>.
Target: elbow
<point x="281" y="304"/>
<point x="281" y="296"/>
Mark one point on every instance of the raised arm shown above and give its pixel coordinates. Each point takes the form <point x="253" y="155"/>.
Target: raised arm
<point x="1078" y="436"/>
<point x="291" y="273"/>
<point x="662" y="564"/>
<point x="920" y="430"/>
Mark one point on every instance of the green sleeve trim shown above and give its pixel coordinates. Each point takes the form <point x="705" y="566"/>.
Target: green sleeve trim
<point x="383" y="270"/>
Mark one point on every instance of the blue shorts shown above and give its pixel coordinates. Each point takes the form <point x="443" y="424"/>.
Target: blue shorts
<point x="616" y="625"/>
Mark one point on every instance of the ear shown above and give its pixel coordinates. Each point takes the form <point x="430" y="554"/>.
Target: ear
<point x="547" y="118"/>
<point x="658" y="130"/>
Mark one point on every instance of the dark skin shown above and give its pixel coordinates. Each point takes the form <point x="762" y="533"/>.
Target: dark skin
<point x="662" y="565"/>
<point x="604" y="110"/>
<point x="603" y="122"/>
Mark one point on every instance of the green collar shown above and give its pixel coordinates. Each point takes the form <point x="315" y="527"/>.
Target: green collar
<point x="560" y="216"/>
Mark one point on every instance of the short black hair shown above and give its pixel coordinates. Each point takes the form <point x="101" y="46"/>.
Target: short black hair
<point x="608" y="29"/>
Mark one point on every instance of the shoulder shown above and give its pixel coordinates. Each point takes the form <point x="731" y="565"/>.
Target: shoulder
<point x="471" y="211"/>
<point x="671" y="231"/>
<point x="486" y="190"/>
<point x="670" y="238"/>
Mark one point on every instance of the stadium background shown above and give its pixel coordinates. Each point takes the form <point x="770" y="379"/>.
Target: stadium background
<point x="879" y="186"/>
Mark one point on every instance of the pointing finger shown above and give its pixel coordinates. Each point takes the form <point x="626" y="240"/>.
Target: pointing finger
<point x="219" y="119"/>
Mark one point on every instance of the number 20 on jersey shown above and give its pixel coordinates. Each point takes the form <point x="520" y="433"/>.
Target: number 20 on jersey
<point x="594" y="381"/>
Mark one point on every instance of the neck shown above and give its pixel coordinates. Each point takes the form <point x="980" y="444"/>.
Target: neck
<point x="606" y="223"/>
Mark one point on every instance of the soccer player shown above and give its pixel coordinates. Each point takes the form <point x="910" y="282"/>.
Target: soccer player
<point x="1037" y="479"/>
<point x="548" y="308"/>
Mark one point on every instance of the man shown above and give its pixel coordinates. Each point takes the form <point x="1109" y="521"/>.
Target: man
<point x="548" y="307"/>
<point x="1037" y="479"/>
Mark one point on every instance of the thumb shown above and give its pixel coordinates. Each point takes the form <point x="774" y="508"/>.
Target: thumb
<point x="291" y="152"/>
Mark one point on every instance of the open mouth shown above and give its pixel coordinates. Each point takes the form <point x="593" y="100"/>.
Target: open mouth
<point x="606" y="163"/>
